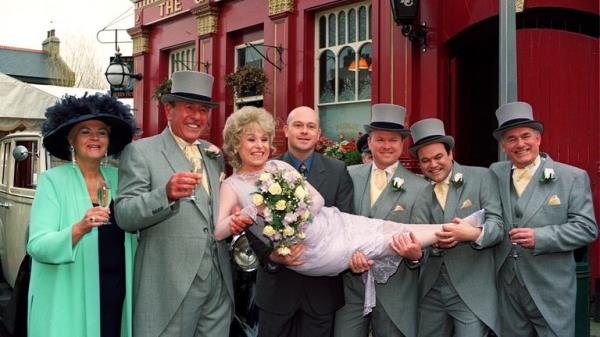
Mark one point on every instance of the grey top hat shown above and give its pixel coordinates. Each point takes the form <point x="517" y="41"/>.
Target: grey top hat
<point x="191" y="86"/>
<point x="515" y="114"/>
<point x="387" y="117"/>
<point x="429" y="131"/>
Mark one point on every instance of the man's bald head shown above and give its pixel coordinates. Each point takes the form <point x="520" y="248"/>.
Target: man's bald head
<point x="303" y="111"/>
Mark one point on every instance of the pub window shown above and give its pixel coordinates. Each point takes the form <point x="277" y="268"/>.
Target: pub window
<point x="182" y="59"/>
<point x="343" y="66"/>
<point x="249" y="54"/>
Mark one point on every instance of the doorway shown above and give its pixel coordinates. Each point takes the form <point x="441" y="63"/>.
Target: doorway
<point x="473" y="93"/>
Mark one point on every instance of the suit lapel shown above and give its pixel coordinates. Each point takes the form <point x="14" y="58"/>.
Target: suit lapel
<point x="173" y="154"/>
<point x="540" y="191"/>
<point x="176" y="159"/>
<point x="504" y="181"/>
<point x="317" y="171"/>
<point x="388" y="198"/>
<point x="213" y="175"/>
<point x="362" y="189"/>
<point x="454" y="194"/>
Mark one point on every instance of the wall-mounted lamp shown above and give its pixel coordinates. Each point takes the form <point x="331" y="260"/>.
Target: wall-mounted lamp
<point x="118" y="72"/>
<point x="405" y="13"/>
<point x="363" y="64"/>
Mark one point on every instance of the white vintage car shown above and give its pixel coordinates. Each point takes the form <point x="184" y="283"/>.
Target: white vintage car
<point x="22" y="158"/>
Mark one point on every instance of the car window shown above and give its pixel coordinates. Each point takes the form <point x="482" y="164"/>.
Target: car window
<point x="26" y="171"/>
<point x="4" y="152"/>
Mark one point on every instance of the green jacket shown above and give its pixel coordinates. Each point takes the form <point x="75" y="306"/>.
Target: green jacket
<point x="64" y="292"/>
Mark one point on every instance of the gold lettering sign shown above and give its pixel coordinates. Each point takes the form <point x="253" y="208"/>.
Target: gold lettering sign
<point x="169" y="7"/>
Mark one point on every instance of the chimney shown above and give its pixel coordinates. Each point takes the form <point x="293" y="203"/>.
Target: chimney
<point x="51" y="44"/>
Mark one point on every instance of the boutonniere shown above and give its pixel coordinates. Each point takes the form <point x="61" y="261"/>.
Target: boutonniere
<point x="397" y="184"/>
<point x="548" y="176"/>
<point x="457" y="180"/>
<point x="213" y="152"/>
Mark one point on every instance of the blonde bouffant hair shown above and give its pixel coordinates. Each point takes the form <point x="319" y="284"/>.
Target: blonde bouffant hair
<point x="247" y="118"/>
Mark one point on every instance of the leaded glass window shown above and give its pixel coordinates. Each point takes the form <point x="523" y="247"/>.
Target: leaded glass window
<point x="343" y="66"/>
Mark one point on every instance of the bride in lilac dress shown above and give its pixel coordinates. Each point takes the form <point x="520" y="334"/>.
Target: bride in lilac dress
<point x="332" y="236"/>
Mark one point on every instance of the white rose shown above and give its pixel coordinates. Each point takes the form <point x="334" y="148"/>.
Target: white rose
<point x="280" y="205"/>
<point x="275" y="189"/>
<point x="548" y="173"/>
<point x="257" y="199"/>
<point x="268" y="231"/>
<point x="458" y="177"/>
<point x="264" y="177"/>
<point x="300" y="192"/>
<point x="305" y="215"/>
<point x="283" y="251"/>
<point x="398" y="182"/>
<point x="301" y="235"/>
<point x="288" y="231"/>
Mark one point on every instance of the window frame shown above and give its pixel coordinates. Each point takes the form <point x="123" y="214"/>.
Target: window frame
<point x="239" y="102"/>
<point x="357" y="45"/>
<point x="191" y="48"/>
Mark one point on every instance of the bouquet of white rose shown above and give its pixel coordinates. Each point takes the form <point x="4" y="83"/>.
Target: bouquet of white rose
<point x="282" y="199"/>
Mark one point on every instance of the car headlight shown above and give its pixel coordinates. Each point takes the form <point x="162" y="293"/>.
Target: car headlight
<point x="242" y="253"/>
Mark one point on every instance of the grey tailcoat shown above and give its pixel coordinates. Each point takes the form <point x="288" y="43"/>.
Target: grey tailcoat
<point x="172" y="238"/>
<point x="470" y="267"/>
<point x="548" y="270"/>
<point x="398" y="297"/>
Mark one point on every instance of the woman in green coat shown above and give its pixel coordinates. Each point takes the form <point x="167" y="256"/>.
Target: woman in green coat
<point x="81" y="261"/>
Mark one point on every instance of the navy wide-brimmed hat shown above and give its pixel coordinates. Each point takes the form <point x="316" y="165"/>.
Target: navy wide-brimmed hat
<point x="71" y="110"/>
<point x="387" y="117"/>
<point x="190" y="86"/>
<point x="515" y="114"/>
<point x="362" y="143"/>
<point x="429" y="131"/>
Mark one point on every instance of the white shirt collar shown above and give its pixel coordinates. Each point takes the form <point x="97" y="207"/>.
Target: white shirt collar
<point x="389" y="171"/>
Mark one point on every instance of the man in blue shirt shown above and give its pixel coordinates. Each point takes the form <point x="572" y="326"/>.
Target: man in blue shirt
<point x="292" y="304"/>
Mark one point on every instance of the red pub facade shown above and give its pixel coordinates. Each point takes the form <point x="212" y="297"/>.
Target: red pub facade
<point x="342" y="56"/>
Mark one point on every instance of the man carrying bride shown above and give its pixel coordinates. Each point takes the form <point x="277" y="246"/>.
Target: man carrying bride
<point x="386" y="190"/>
<point x="457" y="286"/>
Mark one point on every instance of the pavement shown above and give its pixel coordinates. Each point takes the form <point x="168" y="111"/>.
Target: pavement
<point x="5" y="293"/>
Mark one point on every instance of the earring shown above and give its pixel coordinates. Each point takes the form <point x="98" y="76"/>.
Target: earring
<point x="104" y="162"/>
<point x="72" y="150"/>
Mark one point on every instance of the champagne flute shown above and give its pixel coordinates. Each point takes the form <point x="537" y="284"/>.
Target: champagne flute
<point x="196" y="168"/>
<point x="513" y="251"/>
<point x="104" y="195"/>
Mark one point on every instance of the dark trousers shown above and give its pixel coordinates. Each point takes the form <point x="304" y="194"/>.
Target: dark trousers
<point x="302" y="322"/>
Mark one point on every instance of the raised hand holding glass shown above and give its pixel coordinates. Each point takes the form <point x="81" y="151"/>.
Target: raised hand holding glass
<point x="104" y="195"/>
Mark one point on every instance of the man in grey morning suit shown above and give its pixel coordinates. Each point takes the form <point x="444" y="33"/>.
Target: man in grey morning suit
<point x="182" y="278"/>
<point x="457" y="285"/>
<point x="548" y="211"/>
<point x="395" y="313"/>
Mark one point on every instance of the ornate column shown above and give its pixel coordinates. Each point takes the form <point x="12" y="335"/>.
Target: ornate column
<point x="207" y="23"/>
<point x="141" y="110"/>
<point x="277" y="34"/>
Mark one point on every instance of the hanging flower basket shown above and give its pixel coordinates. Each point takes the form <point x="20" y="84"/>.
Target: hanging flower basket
<point x="247" y="81"/>
<point x="163" y="88"/>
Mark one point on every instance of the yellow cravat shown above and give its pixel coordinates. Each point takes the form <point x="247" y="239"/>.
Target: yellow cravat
<point x="441" y="193"/>
<point x="191" y="151"/>
<point x="521" y="177"/>
<point x="378" y="182"/>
